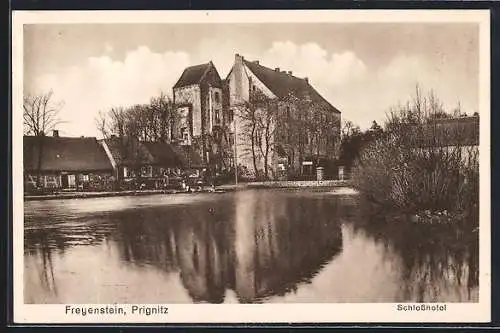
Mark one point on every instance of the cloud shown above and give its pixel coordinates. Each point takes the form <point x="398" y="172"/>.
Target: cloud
<point x="365" y="94"/>
<point x="311" y="60"/>
<point x="362" y="93"/>
<point x="102" y="82"/>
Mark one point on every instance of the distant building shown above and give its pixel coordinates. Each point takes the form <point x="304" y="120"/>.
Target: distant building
<point x="64" y="162"/>
<point x="132" y="159"/>
<point x="128" y="156"/>
<point x="303" y="152"/>
<point x="459" y="134"/>
<point x="198" y="97"/>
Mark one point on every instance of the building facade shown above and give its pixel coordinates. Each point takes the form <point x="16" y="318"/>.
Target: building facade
<point x="300" y="133"/>
<point x="154" y="163"/>
<point x="65" y="163"/>
<point x="198" y="96"/>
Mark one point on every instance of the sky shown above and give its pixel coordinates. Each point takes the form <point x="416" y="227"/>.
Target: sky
<point x="363" y="69"/>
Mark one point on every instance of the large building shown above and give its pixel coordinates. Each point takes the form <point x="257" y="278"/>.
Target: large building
<point x="198" y="95"/>
<point x="292" y="129"/>
<point x="302" y="133"/>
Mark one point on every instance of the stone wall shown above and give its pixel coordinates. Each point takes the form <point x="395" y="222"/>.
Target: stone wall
<point x="191" y="95"/>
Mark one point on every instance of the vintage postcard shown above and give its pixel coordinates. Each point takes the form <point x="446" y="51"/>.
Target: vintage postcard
<point x="251" y="166"/>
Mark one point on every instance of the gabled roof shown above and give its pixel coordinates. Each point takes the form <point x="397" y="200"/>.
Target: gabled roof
<point x="193" y="75"/>
<point x="189" y="157"/>
<point x="128" y="151"/>
<point x="282" y="84"/>
<point x="164" y="154"/>
<point x="64" y="154"/>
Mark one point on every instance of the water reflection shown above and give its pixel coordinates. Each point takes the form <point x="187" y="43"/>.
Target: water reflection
<point x="438" y="262"/>
<point x="264" y="246"/>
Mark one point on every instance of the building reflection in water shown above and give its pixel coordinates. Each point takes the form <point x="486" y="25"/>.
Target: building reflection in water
<point x="280" y="243"/>
<point x="254" y="245"/>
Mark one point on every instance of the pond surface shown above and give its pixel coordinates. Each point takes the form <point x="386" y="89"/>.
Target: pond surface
<point x="251" y="246"/>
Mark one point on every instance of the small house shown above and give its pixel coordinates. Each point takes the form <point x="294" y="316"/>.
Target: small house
<point x="55" y="162"/>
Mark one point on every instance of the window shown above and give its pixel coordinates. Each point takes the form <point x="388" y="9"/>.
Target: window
<point x="217" y="116"/>
<point x="254" y="88"/>
<point x="147" y="171"/>
<point x="288" y="112"/>
<point x="184" y="134"/>
<point x="217" y="97"/>
<point x="230" y="115"/>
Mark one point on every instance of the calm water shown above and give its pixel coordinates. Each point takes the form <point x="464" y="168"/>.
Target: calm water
<point x="247" y="246"/>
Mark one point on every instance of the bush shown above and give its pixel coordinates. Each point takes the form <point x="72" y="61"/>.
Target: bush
<point x="412" y="167"/>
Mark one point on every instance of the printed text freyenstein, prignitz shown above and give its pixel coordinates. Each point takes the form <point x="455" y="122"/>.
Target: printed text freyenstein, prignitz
<point x="116" y="310"/>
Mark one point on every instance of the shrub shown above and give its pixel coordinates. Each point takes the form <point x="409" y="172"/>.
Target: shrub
<point x="419" y="164"/>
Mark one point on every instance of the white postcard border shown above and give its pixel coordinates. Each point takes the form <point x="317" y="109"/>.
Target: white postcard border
<point x="245" y="313"/>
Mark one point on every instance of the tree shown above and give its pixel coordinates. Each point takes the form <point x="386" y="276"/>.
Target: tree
<point x="41" y="115"/>
<point x="164" y="116"/>
<point x="267" y="117"/>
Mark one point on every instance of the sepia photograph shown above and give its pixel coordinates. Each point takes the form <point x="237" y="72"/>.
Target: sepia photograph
<point x="242" y="166"/>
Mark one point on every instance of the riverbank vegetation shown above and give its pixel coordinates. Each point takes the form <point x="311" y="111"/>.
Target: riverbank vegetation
<point x="425" y="163"/>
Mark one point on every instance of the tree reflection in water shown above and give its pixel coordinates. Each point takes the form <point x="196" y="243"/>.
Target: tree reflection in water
<point x="259" y="244"/>
<point x="281" y="241"/>
<point x="439" y="262"/>
<point x="254" y="245"/>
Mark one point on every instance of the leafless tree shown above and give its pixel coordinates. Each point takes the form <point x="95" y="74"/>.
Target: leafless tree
<point x="41" y="115"/>
<point x="248" y="116"/>
<point x="267" y="125"/>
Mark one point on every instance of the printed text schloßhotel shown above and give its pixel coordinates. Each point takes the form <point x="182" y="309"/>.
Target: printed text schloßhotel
<point x="421" y="307"/>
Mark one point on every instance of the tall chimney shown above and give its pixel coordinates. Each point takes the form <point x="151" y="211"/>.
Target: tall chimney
<point x="55" y="133"/>
<point x="238" y="58"/>
<point x="277" y="69"/>
<point x="306" y="79"/>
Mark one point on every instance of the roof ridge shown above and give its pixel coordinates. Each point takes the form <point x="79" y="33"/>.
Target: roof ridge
<point x="273" y="70"/>
<point x="187" y="74"/>
<point x="209" y="66"/>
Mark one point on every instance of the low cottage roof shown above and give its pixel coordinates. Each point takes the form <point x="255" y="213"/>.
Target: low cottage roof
<point x="164" y="154"/>
<point x="283" y="84"/>
<point x="64" y="154"/>
<point x="189" y="157"/>
<point x="128" y="151"/>
<point x="193" y="75"/>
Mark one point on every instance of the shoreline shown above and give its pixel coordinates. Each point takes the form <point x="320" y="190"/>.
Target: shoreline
<point x="218" y="189"/>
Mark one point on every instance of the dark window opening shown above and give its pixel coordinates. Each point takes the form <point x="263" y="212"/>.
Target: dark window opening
<point x="185" y="133"/>
<point x="217" y="97"/>
<point x="217" y="116"/>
